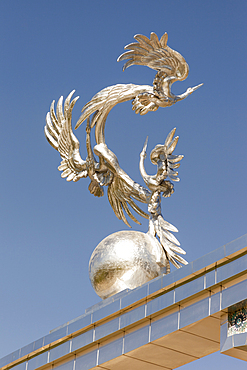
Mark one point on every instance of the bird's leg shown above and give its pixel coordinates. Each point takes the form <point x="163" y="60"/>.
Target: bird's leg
<point x="94" y="186"/>
<point x="154" y="206"/>
<point x="90" y="157"/>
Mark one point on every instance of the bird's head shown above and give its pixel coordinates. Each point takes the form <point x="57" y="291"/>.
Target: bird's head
<point x="190" y="90"/>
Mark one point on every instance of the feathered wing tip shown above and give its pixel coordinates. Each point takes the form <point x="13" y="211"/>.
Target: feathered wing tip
<point x="166" y="150"/>
<point x="163" y="229"/>
<point x="155" y="54"/>
<point x="120" y="201"/>
<point x="55" y="121"/>
<point x="96" y="189"/>
<point x="140" y="50"/>
<point x="59" y="134"/>
<point x="158" y="226"/>
<point x="172" y="160"/>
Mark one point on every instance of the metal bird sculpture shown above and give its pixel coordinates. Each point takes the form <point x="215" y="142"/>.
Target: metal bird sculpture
<point x="106" y="171"/>
<point x="167" y="163"/>
<point x="155" y="54"/>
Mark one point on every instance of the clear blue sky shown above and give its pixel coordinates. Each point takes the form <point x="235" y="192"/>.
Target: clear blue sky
<point x="49" y="227"/>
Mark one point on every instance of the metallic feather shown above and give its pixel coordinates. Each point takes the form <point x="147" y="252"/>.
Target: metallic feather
<point x="122" y="190"/>
<point x="58" y="132"/>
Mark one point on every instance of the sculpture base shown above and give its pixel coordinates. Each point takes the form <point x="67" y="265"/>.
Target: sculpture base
<point x="125" y="259"/>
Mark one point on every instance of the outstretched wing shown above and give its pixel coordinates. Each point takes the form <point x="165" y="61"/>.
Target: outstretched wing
<point x="164" y="153"/>
<point x="102" y="103"/>
<point x="122" y="188"/>
<point x="119" y="196"/>
<point x="58" y="132"/>
<point x="155" y="54"/>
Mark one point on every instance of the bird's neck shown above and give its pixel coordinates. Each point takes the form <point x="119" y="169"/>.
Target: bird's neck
<point x="143" y="172"/>
<point x="162" y="85"/>
<point x="183" y="96"/>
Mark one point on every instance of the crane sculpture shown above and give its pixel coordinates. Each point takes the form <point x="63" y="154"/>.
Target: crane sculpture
<point x="155" y="54"/>
<point x="123" y="192"/>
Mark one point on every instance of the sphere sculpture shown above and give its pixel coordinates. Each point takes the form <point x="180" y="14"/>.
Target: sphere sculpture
<point x="125" y="259"/>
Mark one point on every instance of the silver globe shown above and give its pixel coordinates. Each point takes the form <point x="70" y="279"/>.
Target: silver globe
<point x="125" y="259"/>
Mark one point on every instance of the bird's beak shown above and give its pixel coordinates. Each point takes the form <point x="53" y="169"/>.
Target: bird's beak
<point x="143" y="152"/>
<point x="145" y="145"/>
<point x="195" y="88"/>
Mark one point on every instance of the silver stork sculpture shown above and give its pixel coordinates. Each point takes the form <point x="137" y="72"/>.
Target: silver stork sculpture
<point x="123" y="192"/>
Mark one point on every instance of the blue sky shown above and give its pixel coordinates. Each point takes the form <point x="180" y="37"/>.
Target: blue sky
<point x="49" y="227"/>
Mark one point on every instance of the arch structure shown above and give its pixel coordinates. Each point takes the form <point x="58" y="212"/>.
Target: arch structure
<point x="170" y="321"/>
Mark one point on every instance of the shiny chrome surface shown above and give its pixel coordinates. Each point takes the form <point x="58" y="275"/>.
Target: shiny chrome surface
<point x="125" y="259"/>
<point x="167" y="163"/>
<point x="171" y="67"/>
<point x="104" y="172"/>
<point x="123" y="192"/>
<point x="155" y="54"/>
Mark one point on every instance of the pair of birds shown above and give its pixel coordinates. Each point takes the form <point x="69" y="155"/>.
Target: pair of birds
<point x="122" y="190"/>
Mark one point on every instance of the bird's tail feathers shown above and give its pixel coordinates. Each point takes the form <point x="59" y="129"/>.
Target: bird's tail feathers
<point x="171" y="246"/>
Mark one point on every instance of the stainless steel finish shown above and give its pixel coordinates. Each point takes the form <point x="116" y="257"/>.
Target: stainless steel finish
<point x="155" y="54"/>
<point x="125" y="259"/>
<point x="106" y="171"/>
<point x="166" y="162"/>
